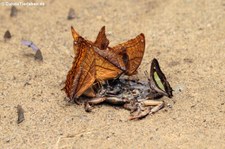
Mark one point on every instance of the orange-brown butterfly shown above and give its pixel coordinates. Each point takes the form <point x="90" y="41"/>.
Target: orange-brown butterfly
<point x="96" y="61"/>
<point x="129" y="54"/>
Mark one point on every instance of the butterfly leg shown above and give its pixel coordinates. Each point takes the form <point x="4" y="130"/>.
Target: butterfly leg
<point x="98" y="100"/>
<point x="140" y="113"/>
<point x="93" y="101"/>
<point x="131" y="106"/>
<point x="116" y="100"/>
<point x="154" y="95"/>
<point x="157" y="105"/>
<point x="145" y="108"/>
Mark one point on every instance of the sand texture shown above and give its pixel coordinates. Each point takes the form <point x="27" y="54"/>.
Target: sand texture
<point x="186" y="36"/>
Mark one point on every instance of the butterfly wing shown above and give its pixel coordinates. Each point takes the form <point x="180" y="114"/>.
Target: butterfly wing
<point x="158" y="80"/>
<point x="107" y="64"/>
<point x="101" y="41"/>
<point x="82" y="74"/>
<point x="132" y="53"/>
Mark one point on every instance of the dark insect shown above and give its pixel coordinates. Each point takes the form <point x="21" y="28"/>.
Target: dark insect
<point x="71" y="14"/>
<point x="7" y="35"/>
<point x="38" y="54"/>
<point x="20" y="112"/>
<point x="13" y="12"/>
<point x="158" y="83"/>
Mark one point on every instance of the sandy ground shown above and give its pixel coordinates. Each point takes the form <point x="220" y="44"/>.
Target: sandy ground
<point x="186" y="36"/>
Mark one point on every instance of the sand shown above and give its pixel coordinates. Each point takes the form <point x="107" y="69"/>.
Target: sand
<point x="186" y="36"/>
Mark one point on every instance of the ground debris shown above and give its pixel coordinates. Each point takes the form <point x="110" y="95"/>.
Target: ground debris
<point x="20" y="112"/>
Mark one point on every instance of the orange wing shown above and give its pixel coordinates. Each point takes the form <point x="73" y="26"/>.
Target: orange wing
<point x="132" y="53"/>
<point x="107" y="64"/>
<point x="98" y="61"/>
<point x="82" y="74"/>
<point x="126" y="56"/>
<point x="101" y="41"/>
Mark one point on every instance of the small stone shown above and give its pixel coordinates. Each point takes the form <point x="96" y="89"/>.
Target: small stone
<point x="169" y="105"/>
<point x="109" y="33"/>
<point x="188" y="60"/>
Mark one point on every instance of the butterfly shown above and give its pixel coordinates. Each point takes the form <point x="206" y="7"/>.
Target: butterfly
<point x="38" y="54"/>
<point x="82" y="74"/>
<point x="158" y="83"/>
<point x="96" y="61"/>
<point x="129" y="53"/>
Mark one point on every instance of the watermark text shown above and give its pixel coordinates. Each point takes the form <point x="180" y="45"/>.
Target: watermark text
<point x="22" y="4"/>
